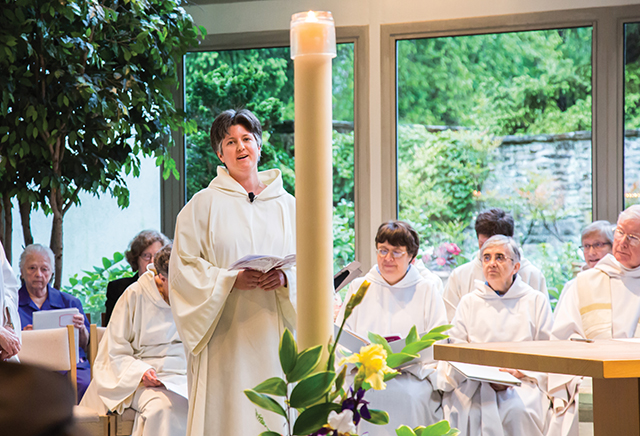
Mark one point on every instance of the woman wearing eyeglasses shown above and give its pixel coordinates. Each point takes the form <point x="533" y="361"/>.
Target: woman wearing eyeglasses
<point x="399" y="298"/>
<point x="139" y="255"/>
<point x="502" y="309"/>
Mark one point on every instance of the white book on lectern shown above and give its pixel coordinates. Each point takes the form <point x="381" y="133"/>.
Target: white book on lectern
<point x="56" y="318"/>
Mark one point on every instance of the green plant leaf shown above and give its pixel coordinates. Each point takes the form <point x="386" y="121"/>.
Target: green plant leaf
<point x="403" y="430"/>
<point x="412" y="336"/>
<point x="272" y="386"/>
<point x="264" y="402"/>
<point x="416" y="347"/>
<point x="312" y="419"/>
<point x="378" y="339"/>
<point x="396" y="359"/>
<point x="288" y="352"/>
<point x="269" y="433"/>
<point x="305" y="364"/>
<point x="311" y="389"/>
<point x="441" y="428"/>
<point x="440" y="329"/>
<point x="378" y="417"/>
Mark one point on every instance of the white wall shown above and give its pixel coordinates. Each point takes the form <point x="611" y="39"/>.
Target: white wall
<point x="98" y="227"/>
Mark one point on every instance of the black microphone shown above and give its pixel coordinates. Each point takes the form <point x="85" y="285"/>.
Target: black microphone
<point x="252" y="197"/>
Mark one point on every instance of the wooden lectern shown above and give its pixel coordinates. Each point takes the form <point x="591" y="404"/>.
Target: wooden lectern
<point x="614" y="366"/>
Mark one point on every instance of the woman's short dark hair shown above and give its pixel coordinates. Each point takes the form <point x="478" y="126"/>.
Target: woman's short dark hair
<point x="494" y="222"/>
<point x="161" y="260"/>
<point x="140" y="243"/>
<point x="399" y="234"/>
<point x="231" y="117"/>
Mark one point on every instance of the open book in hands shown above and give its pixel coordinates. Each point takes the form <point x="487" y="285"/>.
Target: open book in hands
<point x="263" y="263"/>
<point x="483" y="373"/>
<point x="401" y="352"/>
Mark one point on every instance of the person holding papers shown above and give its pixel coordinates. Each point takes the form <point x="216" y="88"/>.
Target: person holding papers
<point x="231" y="320"/>
<point x="36" y="294"/>
<point x="141" y="361"/>
<point x="399" y="298"/>
<point x="502" y="309"/>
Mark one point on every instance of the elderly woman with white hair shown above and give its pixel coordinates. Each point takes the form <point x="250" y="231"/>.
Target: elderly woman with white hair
<point x="502" y="309"/>
<point x="36" y="294"/>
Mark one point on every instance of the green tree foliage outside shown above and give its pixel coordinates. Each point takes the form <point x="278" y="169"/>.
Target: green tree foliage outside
<point x="261" y="80"/>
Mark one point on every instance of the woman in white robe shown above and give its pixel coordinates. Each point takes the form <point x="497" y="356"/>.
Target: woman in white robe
<point x="141" y="361"/>
<point x="231" y="321"/>
<point x="500" y="310"/>
<point x="399" y="298"/>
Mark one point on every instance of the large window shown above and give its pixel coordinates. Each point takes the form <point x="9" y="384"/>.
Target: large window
<point x="496" y="120"/>
<point x="262" y="81"/>
<point x="632" y="113"/>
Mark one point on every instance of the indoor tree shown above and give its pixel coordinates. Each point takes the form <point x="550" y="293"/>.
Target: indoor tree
<point x="86" y="90"/>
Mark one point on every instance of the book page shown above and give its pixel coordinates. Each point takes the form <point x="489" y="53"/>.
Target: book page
<point x="483" y="373"/>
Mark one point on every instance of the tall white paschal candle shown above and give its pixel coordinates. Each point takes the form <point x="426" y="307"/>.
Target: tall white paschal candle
<point x="313" y="45"/>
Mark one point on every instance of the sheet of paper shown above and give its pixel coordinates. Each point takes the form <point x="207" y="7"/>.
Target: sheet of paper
<point x="483" y="373"/>
<point x="263" y="263"/>
<point x="174" y="385"/>
<point x="56" y="318"/>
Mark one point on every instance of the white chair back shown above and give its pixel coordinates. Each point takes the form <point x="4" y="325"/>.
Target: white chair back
<point x="53" y="349"/>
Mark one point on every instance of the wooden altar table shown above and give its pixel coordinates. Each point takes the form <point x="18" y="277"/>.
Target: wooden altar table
<point x="613" y="365"/>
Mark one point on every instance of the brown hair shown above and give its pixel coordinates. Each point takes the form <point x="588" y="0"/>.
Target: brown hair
<point x="399" y="234"/>
<point x="161" y="260"/>
<point x="224" y="121"/>
<point x="494" y="222"/>
<point x="140" y="243"/>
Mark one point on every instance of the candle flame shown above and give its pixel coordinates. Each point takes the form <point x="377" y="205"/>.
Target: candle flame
<point x="311" y="17"/>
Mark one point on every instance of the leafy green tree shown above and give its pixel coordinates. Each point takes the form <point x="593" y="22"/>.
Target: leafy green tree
<point x="87" y="89"/>
<point x="509" y="83"/>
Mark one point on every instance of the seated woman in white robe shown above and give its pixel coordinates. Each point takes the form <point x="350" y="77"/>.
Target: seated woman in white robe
<point x="141" y="362"/>
<point x="399" y="298"/>
<point x="501" y="310"/>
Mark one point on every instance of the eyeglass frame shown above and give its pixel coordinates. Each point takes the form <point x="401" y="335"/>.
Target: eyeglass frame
<point x="144" y="256"/>
<point x="499" y="260"/>
<point x="597" y="246"/>
<point x="394" y="254"/>
<point x="633" y="240"/>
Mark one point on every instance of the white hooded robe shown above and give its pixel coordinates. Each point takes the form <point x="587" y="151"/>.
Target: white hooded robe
<point x="522" y="314"/>
<point x="141" y="335"/>
<point x="462" y="281"/>
<point x="391" y="310"/>
<point x="231" y="336"/>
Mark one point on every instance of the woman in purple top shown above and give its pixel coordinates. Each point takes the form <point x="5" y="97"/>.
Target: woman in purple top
<point x="36" y="293"/>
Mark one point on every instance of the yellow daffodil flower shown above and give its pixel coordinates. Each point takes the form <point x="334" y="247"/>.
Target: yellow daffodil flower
<point x="373" y="362"/>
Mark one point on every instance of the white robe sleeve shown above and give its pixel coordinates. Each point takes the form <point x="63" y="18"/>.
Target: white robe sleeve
<point x="452" y="293"/>
<point x="11" y="285"/>
<point x="199" y="289"/>
<point x="117" y="371"/>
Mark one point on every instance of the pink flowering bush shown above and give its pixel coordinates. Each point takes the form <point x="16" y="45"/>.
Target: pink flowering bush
<point x="444" y="257"/>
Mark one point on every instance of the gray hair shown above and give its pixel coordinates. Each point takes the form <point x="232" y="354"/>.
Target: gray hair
<point x="501" y="240"/>
<point x="599" y="228"/>
<point x="37" y="249"/>
<point x="227" y="119"/>
<point x="632" y="212"/>
<point x="161" y="260"/>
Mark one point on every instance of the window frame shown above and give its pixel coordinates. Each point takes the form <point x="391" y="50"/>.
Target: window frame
<point x="173" y="192"/>
<point x="607" y="90"/>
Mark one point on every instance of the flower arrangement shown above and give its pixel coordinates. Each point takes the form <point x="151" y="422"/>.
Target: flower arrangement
<point x="317" y="403"/>
<point x="443" y="257"/>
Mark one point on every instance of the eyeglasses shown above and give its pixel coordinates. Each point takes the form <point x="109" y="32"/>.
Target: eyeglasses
<point x="499" y="258"/>
<point x="146" y="256"/>
<point x="633" y="240"/>
<point x="596" y="246"/>
<point x="383" y="252"/>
